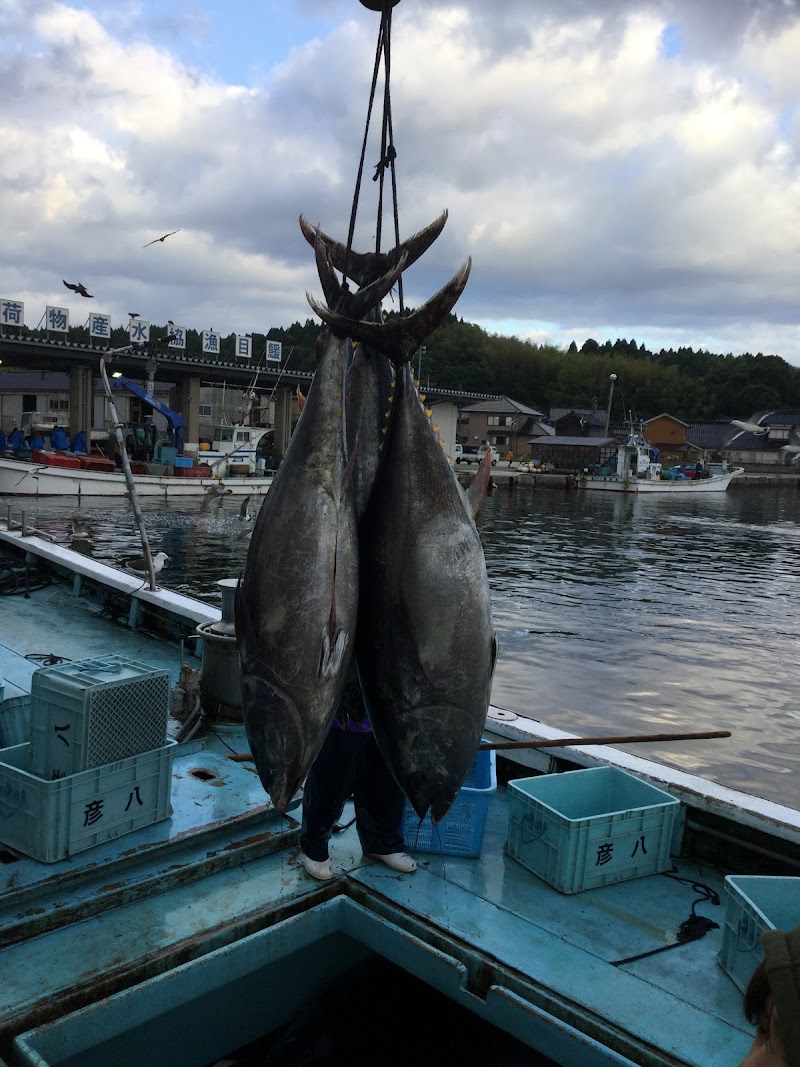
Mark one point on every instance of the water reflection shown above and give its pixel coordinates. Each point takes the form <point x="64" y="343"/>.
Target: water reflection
<point x="614" y="615"/>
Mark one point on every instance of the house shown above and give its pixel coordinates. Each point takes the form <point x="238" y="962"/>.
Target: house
<point x="573" y="454"/>
<point x="670" y="436"/>
<point x="503" y="423"/>
<point x="578" y="422"/>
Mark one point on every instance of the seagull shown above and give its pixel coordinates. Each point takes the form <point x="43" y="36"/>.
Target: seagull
<point x="218" y="490"/>
<point x="244" y="513"/>
<point x="133" y="314"/>
<point x="80" y="530"/>
<point x="750" y="427"/>
<point x="161" y="239"/>
<point x="79" y="288"/>
<point x="139" y="565"/>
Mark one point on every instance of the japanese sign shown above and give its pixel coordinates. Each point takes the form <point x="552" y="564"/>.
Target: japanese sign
<point x="56" y="319"/>
<point x="100" y="326"/>
<point x="178" y="335"/>
<point x="211" y="342"/>
<point x="244" y="346"/>
<point x="11" y="313"/>
<point x="274" y="351"/>
<point x="139" y="331"/>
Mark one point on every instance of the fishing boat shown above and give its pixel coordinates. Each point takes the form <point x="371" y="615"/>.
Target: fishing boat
<point x="635" y="470"/>
<point x="61" y="474"/>
<point x="592" y="906"/>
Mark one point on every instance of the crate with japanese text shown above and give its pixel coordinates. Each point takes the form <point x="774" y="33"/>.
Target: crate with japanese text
<point x="91" y="712"/>
<point x="460" y="831"/>
<point x="587" y="828"/>
<point x="753" y="905"/>
<point x="50" y="820"/>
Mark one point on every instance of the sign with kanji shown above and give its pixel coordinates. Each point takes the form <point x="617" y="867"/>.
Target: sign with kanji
<point x="244" y="346"/>
<point x="56" y="319"/>
<point x="12" y="313"/>
<point x="211" y="342"/>
<point x="274" y="351"/>
<point x="100" y="326"/>
<point x="139" y="331"/>
<point x="178" y="335"/>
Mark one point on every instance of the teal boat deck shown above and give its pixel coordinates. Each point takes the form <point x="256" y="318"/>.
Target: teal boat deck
<point x="133" y="931"/>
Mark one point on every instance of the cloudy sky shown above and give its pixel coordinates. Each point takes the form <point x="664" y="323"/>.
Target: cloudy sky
<point x="615" y="169"/>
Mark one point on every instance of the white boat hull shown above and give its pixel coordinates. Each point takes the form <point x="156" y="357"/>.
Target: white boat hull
<point x="20" y="478"/>
<point x="688" y="487"/>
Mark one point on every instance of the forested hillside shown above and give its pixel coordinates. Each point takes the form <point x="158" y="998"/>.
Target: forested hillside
<point x="460" y="355"/>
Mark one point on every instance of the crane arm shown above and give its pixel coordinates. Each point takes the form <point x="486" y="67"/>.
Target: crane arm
<point x="175" y="421"/>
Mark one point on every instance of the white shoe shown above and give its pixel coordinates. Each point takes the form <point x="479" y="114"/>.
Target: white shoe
<point x="319" y="869"/>
<point x="398" y="861"/>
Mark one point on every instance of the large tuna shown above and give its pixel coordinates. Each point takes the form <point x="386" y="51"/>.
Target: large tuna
<point x="426" y="644"/>
<point x="296" y="604"/>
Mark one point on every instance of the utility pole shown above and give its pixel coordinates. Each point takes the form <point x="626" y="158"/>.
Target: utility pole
<point x="613" y="378"/>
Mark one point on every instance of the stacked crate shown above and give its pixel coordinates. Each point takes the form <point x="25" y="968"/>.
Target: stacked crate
<point x="98" y="763"/>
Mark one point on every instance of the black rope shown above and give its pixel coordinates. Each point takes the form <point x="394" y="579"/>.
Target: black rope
<point x="388" y="152"/>
<point x="47" y="659"/>
<point x="691" y="929"/>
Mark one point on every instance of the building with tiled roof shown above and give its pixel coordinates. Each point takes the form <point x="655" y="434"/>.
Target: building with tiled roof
<point x="501" y="422"/>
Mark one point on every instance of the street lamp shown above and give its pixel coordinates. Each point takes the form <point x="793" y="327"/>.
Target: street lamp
<point x="613" y="378"/>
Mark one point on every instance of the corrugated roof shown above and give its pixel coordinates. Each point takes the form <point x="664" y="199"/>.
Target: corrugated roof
<point x="583" y="442"/>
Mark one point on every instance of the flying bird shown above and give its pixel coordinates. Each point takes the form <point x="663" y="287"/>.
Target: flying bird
<point x="79" y="288"/>
<point x="750" y="427"/>
<point x="161" y="239"/>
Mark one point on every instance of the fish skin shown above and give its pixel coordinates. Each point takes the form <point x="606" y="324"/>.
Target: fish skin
<point x="296" y="603"/>
<point x="426" y="645"/>
<point x="370" y="376"/>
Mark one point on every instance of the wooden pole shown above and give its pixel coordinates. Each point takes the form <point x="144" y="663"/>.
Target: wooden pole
<point x="563" y="742"/>
<point x="625" y="739"/>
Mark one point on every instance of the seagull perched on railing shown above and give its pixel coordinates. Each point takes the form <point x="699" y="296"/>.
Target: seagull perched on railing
<point x="139" y="565"/>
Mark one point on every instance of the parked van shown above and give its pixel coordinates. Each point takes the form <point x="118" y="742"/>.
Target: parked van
<point x="483" y="449"/>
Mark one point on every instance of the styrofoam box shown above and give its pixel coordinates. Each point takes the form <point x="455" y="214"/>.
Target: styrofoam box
<point x="586" y="828"/>
<point x="460" y="831"/>
<point x="50" y="820"/>
<point x="91" y="712"/>
<point x="753" y="905"/>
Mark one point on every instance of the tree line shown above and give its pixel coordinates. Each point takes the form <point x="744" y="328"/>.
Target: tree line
<point x="693" y="385"/>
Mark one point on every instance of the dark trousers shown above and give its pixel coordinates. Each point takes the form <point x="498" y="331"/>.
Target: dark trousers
<point x="350" y="765"/>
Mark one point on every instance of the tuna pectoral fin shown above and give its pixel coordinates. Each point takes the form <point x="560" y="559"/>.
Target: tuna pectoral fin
<point x="332" y="653"/>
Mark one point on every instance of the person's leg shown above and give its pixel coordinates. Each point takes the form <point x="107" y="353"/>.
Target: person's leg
<point x="379" y="804"/>
<point x="328" y="785"/>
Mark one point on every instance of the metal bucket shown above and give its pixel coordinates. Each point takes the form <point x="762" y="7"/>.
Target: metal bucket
<point x="221" y="672"/>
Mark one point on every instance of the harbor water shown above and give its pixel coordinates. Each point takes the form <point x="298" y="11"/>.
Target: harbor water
<point x="614" y="614"/>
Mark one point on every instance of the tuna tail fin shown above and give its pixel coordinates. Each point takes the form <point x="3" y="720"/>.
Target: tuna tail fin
<point x="366" y="267"/>
<point x="348" y="304"/>
<point x="479" y="485"/>
<point x="398" y="338"/>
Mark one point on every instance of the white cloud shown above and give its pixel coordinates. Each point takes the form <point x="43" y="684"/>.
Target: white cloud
<point x="603" y="187"/>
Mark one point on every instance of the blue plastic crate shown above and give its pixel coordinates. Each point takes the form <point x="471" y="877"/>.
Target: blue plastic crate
<point x="754" y="904"/>
<point x="460" y="831"/>
<point x="50" y="820"/>
<point x="587" y="828"/>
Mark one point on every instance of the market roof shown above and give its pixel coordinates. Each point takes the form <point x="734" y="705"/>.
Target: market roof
<point x="572" y="442"/>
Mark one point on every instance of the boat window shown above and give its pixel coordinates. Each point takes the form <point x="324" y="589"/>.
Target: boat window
<point x="243" y="435"/>
<point x="223" y="433"/>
